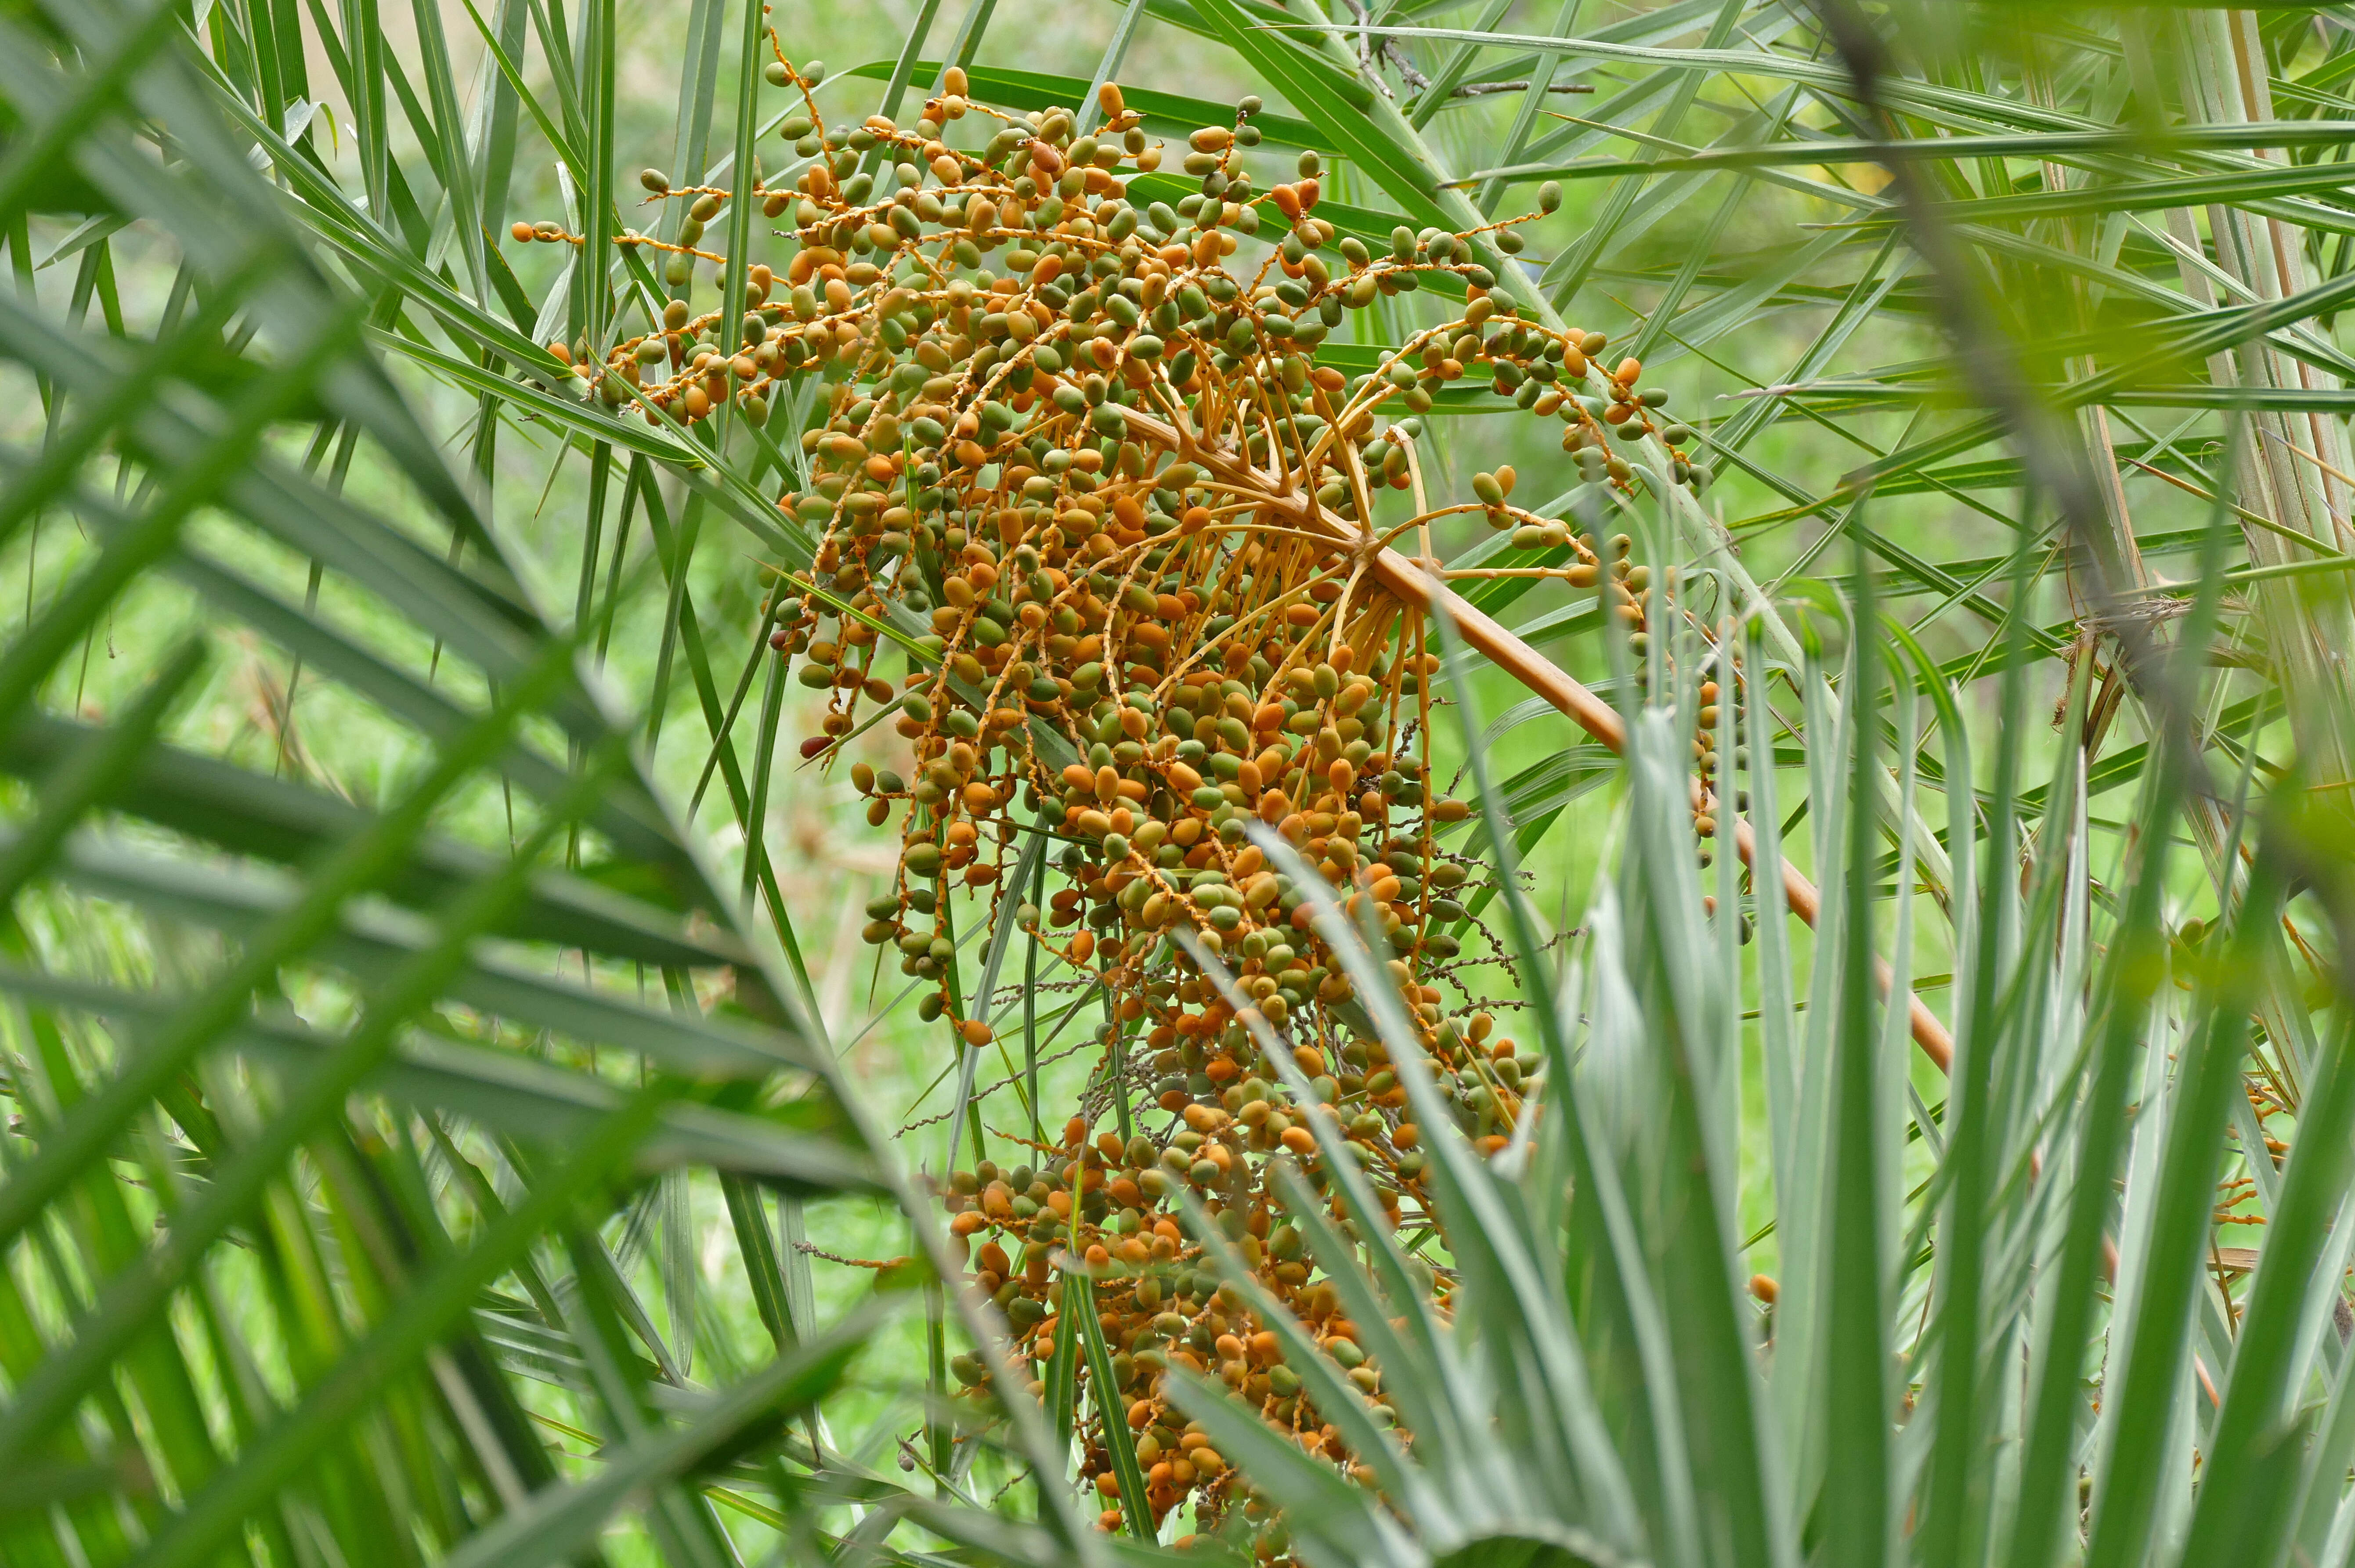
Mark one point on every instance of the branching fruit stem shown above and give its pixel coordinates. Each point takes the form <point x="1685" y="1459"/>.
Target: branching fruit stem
<point x="1413" y="586"/>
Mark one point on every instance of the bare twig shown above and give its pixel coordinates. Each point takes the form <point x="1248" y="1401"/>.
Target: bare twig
<point x="1481" y="88"/>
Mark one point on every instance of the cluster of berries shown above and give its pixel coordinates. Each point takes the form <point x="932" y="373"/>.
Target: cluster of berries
<point x="1097" y="532"/>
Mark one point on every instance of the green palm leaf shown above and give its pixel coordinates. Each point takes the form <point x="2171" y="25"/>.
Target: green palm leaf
<point x="399" y="1123"/>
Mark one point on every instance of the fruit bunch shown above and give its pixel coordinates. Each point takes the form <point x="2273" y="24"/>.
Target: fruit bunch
<point x="1093" y="528"/>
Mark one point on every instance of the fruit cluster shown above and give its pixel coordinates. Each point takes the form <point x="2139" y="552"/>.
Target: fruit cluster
<point x="1077" y="478"/>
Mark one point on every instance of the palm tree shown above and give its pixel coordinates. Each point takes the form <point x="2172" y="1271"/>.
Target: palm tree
<point x="350" y="1201"/>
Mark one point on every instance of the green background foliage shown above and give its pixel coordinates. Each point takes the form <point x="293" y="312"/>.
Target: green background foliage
<point x="449" y="1115"/>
